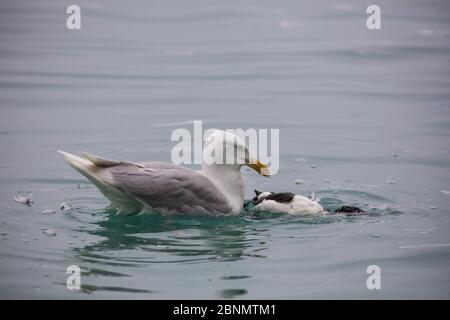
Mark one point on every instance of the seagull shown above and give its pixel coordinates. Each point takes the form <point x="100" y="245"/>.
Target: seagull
<point x="218" y="188"/>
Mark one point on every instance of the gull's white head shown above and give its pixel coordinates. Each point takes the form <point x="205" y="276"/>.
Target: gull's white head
<point x="226" y="148"/>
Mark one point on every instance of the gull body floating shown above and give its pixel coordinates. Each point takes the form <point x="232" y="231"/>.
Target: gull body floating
<point x="169" y="188"/>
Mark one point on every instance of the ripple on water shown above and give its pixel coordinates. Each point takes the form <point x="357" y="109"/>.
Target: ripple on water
<point x="235" y="277"/>
<point x="88" y="288"/>
<point x="232" y="293"/>
<point x="119" y="242"/>
<point x="144" y="239"/>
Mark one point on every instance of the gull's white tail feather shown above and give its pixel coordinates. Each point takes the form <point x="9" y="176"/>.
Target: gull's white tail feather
<point x="99" y="161"/>
<point x="78" y="163"/>
<point x="102" y="179"/>
<point x="87" y="168"/>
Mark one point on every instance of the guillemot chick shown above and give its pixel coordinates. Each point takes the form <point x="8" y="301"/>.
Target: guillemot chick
<point x="287" y="202"/>
<point x="294" y="204"/>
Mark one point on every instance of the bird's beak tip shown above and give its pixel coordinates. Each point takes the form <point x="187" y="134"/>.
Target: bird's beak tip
<point x="260" y="167"/>
<point x="264" y="172"/>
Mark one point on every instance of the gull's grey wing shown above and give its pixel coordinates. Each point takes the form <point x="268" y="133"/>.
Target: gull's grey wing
<point x="169" y="187"/>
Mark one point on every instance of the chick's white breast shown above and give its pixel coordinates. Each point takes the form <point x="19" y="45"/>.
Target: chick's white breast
<point x="298" y="206"/>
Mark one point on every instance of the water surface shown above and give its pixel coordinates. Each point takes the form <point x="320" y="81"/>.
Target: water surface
<point x="363" y="117"/>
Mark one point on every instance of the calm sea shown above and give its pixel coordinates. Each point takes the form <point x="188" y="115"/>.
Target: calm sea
<point x="364" y="119"/>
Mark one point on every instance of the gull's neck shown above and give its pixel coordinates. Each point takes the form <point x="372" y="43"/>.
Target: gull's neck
<point x="228" y="179"/>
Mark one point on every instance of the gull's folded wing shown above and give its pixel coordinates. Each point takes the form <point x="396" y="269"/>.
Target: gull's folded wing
<point x="169" y="187"/>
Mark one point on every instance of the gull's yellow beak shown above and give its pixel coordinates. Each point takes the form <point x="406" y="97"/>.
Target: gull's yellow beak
<point x="260" y="167"/>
